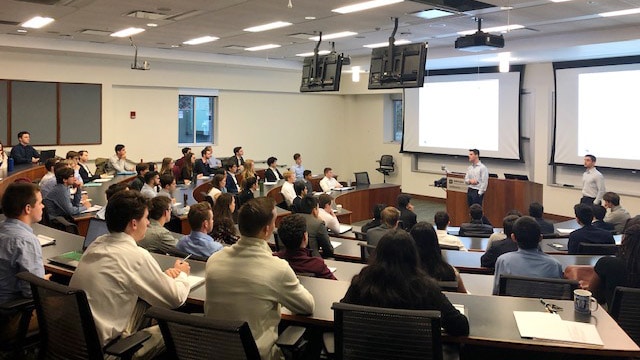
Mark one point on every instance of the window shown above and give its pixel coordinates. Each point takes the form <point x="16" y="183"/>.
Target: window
<point x="397" y="120"/>
<point x="196" y="119"/>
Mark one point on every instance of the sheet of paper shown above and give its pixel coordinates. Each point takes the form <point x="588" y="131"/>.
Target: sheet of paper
<point x="92" y="209"/>
<point x="333" y="269"/>
<point x="195" y="281"/>
<point x="92" y="184"/>
<point x="335" y="244"/>
<point x="101" y="180"/>
<point x="564" y="231"/>
<point x="459" y="307"/>
<point x="547" y="326"/>
<point x="45" y="240"/>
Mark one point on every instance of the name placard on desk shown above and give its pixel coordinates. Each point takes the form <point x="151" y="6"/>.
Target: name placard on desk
<point x="456" y="184"/>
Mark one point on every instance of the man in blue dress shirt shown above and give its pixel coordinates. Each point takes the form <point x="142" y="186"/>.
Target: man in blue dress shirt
<point x="199" y="242"/>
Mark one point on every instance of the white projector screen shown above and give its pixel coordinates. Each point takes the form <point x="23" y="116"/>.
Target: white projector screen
<point x="453" y="113"/>
<point x="597" y="113"/>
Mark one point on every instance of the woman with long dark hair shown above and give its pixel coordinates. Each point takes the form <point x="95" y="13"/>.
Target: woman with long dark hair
<point x="219" y="186"/>
<point x="431" y="260"/>
<point x="224" y="230"/>
<point x="395" y="280"/>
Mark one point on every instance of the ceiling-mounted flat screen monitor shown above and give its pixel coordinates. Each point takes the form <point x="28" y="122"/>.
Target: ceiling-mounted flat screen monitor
<point x="402" y="67"/>
<point x="321" y="72"/>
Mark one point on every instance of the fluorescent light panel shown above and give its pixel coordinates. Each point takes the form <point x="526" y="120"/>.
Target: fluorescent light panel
<point x="620" y="12"/>
<point x="37" y="22"/>
<point x="334" y="35"/>
<point x="365" y="6"/>
<point x="270" y="26"/>
<point x="307" y="54"/>
<point x="383" y="44"/>
<point x="494" y="29"/>
<point x="560" y="0"/>
<point x="263" y="47"/>
<point x="432" y="14"/>
<point x="127" y="32"/>
<point x="201" y="40"/>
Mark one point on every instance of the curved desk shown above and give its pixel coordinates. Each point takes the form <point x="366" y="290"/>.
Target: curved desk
<point x="28" y="171"/>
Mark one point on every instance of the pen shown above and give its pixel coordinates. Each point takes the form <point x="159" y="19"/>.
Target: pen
<point x="185" y="259"/>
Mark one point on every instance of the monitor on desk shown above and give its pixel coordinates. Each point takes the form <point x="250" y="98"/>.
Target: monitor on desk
<point x="46" y="155"/>
<point x="516" y="177"/>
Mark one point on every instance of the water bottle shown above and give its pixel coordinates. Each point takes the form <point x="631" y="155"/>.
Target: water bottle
<point x="10" y="164"/>
<point x="261" y="184"/>
<point x="184" y="199"/>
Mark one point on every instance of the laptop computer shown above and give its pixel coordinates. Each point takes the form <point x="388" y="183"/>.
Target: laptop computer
<point x="46" y="155"/>
<point x="71" y="259"/>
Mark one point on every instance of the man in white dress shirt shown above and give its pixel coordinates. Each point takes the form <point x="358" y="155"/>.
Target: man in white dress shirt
<point x="477" y="177"/>
<point x="328" y="182"/>
<point x="592" y="182"/>
<point x="287" y="190"/>
<point x="325" y="213"/>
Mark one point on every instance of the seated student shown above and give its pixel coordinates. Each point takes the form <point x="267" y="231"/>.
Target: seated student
<point x="587" y="233"/>
<point x="180" y="161"/>
<point x="115" y="273"/>
<point x="198" y="242"/>
<point x="246" y="282"/>
<point x="58" y="200"/>
<point x="476" y="226"/>
<point x="113" y="189"/>
<point x="389" y="221"/>
<point x="395" y="280"/>
<point x="85" y="172"/>
<point x="528" y="260"/>
<point x="249" y="170"/>
<point x="431" y="260"/>
<point x="118" y="162"/>
<point x="232" y="182"/>
<point x="599" y="213"/>
<point x="441" y="218"/>
<point x="186" y="171"/>
<point x="617" y="216"/>
<point x="298" y="168"/>
<point x="237" y="158"/>
<point x="620" y="270"/>
<point x="151" y="180"/>
<point x="497" y="236"/>
<point x="407" y="217"/>
<point x="201" y="166"/>
<point x="326" y="214"/>
<point x="287" y="190"/>
<point x="158" y="238"/>
<point x="22" y="152"/>
<point x="377" y="209"/>
<point x="167" y="166"/>
<point x="20" y="251"/>
<point x="224" y="229"/>
<point x="215" y="165"/>
<point x="307" y="177"/>
<point x="167" y="188"/>
<point x="249" y="186"/>
<point x="219" y="183"/>
<point x="138" y="182"/>
<point x="499" y="247"/>
<point x="328" y="182"/>
<point x="73" y="158"/>
<point x="536" y="210"/>
<point x="48" y="181"/>
<point x="301" y="191"/>
<point x="272" y="174"/>
<point x="293" y="234"/>
<point x="318" y="236"/>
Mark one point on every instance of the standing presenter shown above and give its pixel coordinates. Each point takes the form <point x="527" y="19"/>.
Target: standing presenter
<point x="477" y="177"/>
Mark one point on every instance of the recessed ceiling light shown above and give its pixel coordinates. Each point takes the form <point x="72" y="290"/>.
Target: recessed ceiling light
<point x="620" y="12"/>
<point x="37" y="22"/>
<point x="334" y="35"/>
<point x="432" y="14"/>
<point x="494" y="29"/>
<point x="22" y="31"/>
<point x="152" y="25"/>
<point x="270" y="26"/>
<point x="383" y="44"/>
<point x="263" y="47"/>
<point x="201" y="40"/>
<point x="175" y="46"/>
<point x="365" y="6"/>
<point x="309" y="17"/>
<point x="127" y="32"/>
<point x="321" y="52"/>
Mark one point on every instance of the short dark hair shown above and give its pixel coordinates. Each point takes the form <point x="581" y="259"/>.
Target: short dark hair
<point x="536" y="210"/>
<point x="291" y="231"/>
<point x="123" y="207"/>
<point x="475" y="211"/>
<point x="326" y="170"/>
<point x="507" y="224"/>
<point x="51" y="162"/>
<point x="23" y="133"/>
<point x="527" y="232"/>
<point x="185" y="150"/>
<point x="63" y="173"/>
<point x="81" y="152"/>
<point x="475" y="151"/>
<point x="229" y="164"/>
<point x="584" y="213"/>
<point x="611" y="197"/>
<point x="441" y="218"/>
<point x="17" y="196"/>
<point x="119" y="147"/>
<point x="205" y="149"/>
<point x="236" y="149"/>
<point x="390" y="216"/>
<point x="377" y="209"/>
<point x="299" y="187"/>
<point x="158" y="205"/>
<point x="324" y="199"/>
<point x="140" y="167"/>
<point x="249" y="182"/>
<point x="296" y="156"/>
<point x="198" y="214"/>
<point x="114" y="188"/>
<point x="71" y="154"/>
<point x="403" y="200"/>
<point x="592" y="157"/>
<point x="149" y="176"/>
<point x="166" y="179"/>
<point x="308" y="203"/>
<point x="599" y="212"/>
<point x="306" y="172"/>
<point x="271" y="160"/>
<point x="254" y="215"/>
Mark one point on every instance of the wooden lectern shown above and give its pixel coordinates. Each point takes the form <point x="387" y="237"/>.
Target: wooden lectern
<point x="502" y="195"/>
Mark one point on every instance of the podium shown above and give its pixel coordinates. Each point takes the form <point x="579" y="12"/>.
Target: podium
<point x="502" y="195"/>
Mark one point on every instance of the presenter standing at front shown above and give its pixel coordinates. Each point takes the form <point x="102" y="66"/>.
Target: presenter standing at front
<point x="592" y="182"/>
<point x="477" y="178"/>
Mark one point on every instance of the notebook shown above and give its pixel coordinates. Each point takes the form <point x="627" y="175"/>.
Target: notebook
<point x="195" y="281"/>
<point x="344" y="228"/>
<point x="46" y="240"/>
<point x="71" y="259"/>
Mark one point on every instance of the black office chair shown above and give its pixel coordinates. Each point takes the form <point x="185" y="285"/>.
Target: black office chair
<point x="195" y="337"/>
<point x="58" y="222"/>
<point x="67" y="329"/>
<point x="522" y="286"/>
<point x="364" y="332"/>
<point x="360" y="235"/>
<point x="386" y="167"/>
<point x="625" y="309"/>
<point x="366" y="251"/>
<point x="22" y="339"/>
<point x="362" y="178"/>
<point x="597" y="249"/>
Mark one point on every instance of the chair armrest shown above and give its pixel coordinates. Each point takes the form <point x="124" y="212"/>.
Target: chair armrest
<point x="18" y="304"/>
<point x="63" y="221"/>
<point x="129" y="344"/>
<point x="290" y="336"/>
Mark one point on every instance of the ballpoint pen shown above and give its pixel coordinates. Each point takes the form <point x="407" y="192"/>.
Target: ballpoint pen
<point x="552" y="308"/>
<point x="185" y="259"/>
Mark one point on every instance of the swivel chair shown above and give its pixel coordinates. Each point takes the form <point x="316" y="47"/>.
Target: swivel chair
<point x="386" y="167"/>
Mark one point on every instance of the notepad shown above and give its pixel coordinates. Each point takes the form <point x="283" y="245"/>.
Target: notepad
<point x="45" y="240"/>
<point x="335" y="244"/>
<point x="547" y="326"/>
<point x="195" y="281"/>
<point x="101" y="180"/>
<point x="333" y="269"/>
<point x="92" y="184"/>
<point x="92" y="209"/>
<point x="564" y="231"/>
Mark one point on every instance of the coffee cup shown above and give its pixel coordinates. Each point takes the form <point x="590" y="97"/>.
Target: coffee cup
<point x="582" y="301"/>
<point x="338" y="206"/>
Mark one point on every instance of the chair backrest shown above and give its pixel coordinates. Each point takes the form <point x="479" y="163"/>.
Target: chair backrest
<point x="597" y="249"/>
<point x="360" y="235"/>
<point x="364" y="332"/>
<point x="195" y="337"/>
<point x="386" y="160"/>
<point x="362" y="178"/>
<point x="366" y="250"/>
<point x="101" y="165"/>
<point x="202" y="190"/>
<point x="625" y="309"/>
<point x="522" y="286"/>
<point x="67" y="328"/>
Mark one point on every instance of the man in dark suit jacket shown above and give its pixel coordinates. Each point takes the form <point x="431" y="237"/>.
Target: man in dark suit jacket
<point x="316" y="229"/>
<point x="307" y="176"/>
<point x="407" y="217"/>
<point x="84" y="170"/>
<point x="201" y="166"/>
<point x="598" y="213"/>
<point x="476" y="226"/>
<point x="535" y="211"/>
<point x="301" y="191"/>
<point x="232" y="181"/>
<point x="237" y="158"/>
<point x="488" y="259"/>
<point x="587" y="233"/>
<point x="272" y="174"/>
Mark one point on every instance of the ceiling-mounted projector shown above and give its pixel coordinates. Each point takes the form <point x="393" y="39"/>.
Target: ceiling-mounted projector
<point x="479" y="41"/>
